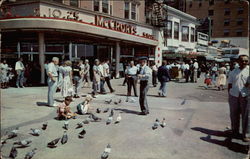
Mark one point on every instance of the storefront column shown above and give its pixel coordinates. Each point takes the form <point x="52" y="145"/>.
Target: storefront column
<point x="117" y="59"/>
<point x="18" y="49"/>
<point x="70" y="50"/>
<point x="41" y="55"/>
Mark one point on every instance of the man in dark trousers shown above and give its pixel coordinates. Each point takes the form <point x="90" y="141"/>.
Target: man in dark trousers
<point x="163" y="77"/>
<point x="131" y="72"/>
<point x="144" y="74"/>
<point x="77" y="72"/>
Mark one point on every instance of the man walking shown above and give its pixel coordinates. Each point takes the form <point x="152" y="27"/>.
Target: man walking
<point x="196" y="66"/>
<point x="52" y="80"/>
<point x="102" y="80"/>
<point x="86" y="73"/>
<point x="19" y="67"/>
<point x="107" y="75"/>
<point x="144" y="74"/>
<point x="96" y="77"/>
<point x="163" y="77"/>
<point x="238" y="97"/>
<point x="186" y="72"/>
<point x="132" y="78"/>
<point x="77" y="72"/>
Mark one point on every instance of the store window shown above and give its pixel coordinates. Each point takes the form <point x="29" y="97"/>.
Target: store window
<point x="96" y="5"/>
<point x="126" y="10"/>
<point x="192" y="34"/>
<point x="210" y="12"/>
<point x="105" y="6"/>
<point x="239" y="21"/>
<point x="176" y="30"/>
<point x="240" y="10"/>
<point x="239" y="32"/>
<point x="133" y="11"/>
<point x="74" y="3"/>
<point x="168" y="29"/>
<point x="211" y="2"/>
<point x="226" y="22"/>
<point x="227" y="11"/>
<point x="185" y="33"/>
<point x="226" y="32"/>
<point x="58" y="1"/>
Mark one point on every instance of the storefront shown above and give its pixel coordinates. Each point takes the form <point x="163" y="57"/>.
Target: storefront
<point x="40" y="30"/>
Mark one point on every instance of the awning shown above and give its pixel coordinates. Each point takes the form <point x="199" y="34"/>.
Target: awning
<point x="210" y="58"/>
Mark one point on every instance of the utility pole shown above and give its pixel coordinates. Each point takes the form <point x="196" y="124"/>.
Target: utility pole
<point x="209" y="28"/>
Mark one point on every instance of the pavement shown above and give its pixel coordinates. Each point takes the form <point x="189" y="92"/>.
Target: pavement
<point x="194" y="128"/>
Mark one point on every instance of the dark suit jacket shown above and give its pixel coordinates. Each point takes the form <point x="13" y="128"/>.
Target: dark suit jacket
<point x="163" y="74"/>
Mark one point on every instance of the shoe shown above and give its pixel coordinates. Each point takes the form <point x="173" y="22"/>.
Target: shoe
<point x="22" y="87"/>
<point x="17" y="87"/>
<point x="143" y="113"/>
<point x="246" y="139"/>
<point x="112" y="91"/>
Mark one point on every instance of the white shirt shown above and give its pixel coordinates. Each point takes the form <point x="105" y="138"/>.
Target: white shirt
<point x="132" y="70"/>
<point x="19" y="66"/>
<point x="196" y="65"/>
<point x="105" y="70"/>
<point x="101" y="70"/>
<point x="52" y="68"/>
<point x="145" y="70"/>
<point x="238" y="79"/>
<point x="186" y="67"/>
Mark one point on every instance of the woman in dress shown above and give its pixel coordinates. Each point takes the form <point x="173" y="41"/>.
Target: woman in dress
<point x="222" y="78"/>
<point x="67" y="86"/>
<point x="4" y="69"/>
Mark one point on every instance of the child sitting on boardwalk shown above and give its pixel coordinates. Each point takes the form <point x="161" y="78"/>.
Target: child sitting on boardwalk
<point x="84" y="107"/>
<point x="64" y="111"/>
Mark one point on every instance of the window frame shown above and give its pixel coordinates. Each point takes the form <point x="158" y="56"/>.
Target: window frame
<point x="73" y="4"/>
<point x="185" y="37"/>
<point x="211" y="12"/>
<point x="96" y="2"/>
<point x="168" y="31"/>
<point x="226" y="22"/>
<point x="239" y="31"/>
<point x="211" y="2"/>
<point x="226" y="32"/>
<point x="239" y="21"/>
<point x="192" y="36"/>
<point x="240" y="10"/>
<point x="227" y="11"/>
<point x="135" y="12"/>
<point x="176" y="32"/>
<point x="126" y="10"/>
<point x="107" y="5"/>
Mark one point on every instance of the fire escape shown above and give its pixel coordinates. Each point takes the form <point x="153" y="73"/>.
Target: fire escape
<point x="155" y="13"/>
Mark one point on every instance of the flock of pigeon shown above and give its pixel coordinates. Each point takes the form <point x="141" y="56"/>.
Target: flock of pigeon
<point x="64" y="139"/>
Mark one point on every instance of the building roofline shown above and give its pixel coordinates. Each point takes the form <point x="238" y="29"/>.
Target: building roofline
<point x="176" y="12"/>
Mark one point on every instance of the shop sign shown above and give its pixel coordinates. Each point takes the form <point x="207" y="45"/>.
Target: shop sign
<point x="115" y="25"/>
<point x="202" y="39"/>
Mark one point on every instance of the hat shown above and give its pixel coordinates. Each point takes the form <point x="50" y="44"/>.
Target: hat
<point x="143" y="58"/>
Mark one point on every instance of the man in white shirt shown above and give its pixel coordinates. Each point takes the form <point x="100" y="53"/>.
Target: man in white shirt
<point x="19" y="67"/>
<point x="102" y="80"/>
<point x="144" y="74"/>
<point x="52" y="80"/>
<point x="107" y="75"/>
<point x="196" y="66"/>
<point x="186" y="72"/>
<point x="86" y="73"/>
<point x="238" y="97"/>
<point x="131" y="72"/>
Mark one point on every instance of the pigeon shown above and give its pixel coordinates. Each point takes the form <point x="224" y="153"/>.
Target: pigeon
<point x="64" y="138"/>
<point x="13" y="152"/>
<point x="111" y="113"/>
<point x="53" y="143"/>
<point x="86" y="121"/>
<point x="183" y="102"/>
<point x="45" y="125"/>
<point x="98" y="110"/>
<point x="30" y="154"/>
<point x="156" y="124"/>
<point x="23" y="143"/>
<point x="82" y="133"/>
<point x="79" y="125"/>
<point x="117" y="102"/>
<point x="106" y="152"/>
<point x="95" y="118"/>
<point x="35" y="132"/>
<point x="66" y="125"/>
<point x="118" y="119"/>
<point x="13" y="133"/>
<point x="108" y="101"/>
<point x="109" y="120"/>
<point x="106" y="110"/>
<point x="163" y="123"/>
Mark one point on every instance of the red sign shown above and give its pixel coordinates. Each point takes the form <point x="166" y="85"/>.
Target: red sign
<point x="114" y="25"/>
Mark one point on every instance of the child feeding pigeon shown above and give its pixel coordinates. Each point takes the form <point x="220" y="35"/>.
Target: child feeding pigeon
<point x="64" y="111"/>
<point x="84" y="107"/>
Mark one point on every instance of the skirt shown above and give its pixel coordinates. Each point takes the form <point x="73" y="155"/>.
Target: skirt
<point x="221" y="80"/>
